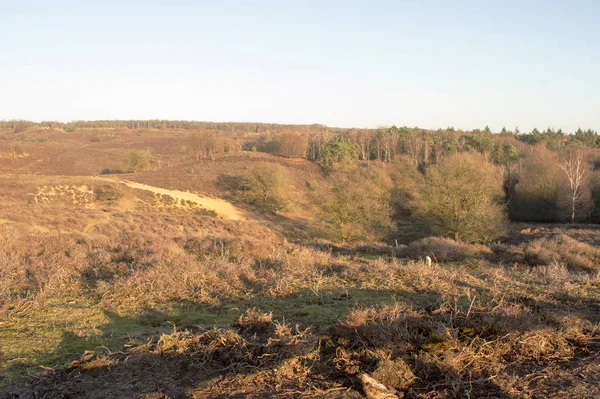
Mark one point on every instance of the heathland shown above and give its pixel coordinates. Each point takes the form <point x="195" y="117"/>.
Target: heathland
<point x="173" y="259"/>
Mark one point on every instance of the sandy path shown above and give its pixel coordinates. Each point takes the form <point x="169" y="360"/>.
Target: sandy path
<point x="221" y="207"/>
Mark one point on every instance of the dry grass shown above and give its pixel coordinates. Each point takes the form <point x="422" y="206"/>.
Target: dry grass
<point x="576" y="255"/>
<point x="442" y="250"/>
<point x="487" y="320"/>
<point x="486" y="349"/>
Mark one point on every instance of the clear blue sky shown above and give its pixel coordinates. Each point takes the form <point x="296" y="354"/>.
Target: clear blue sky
<point x="347" y="63"/>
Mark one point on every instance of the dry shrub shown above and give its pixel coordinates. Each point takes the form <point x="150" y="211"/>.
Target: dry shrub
<point x="136" y="257"/>
<point x="576" y="255"/>
<point x="108" y="193"/>
<point x="541" y="344"/>
<point x="555" y="272"/>
<point x="206" y="267"/>
<point x="462" y="198"/>
<point x="542" y="188"/>
<point x="37" y="268"/>
<point x="233" y="249"/>
<point x="442" y="249"/>
<point x="355" y="204"/>
<point x="255" y="322"/>
<point x="269" y="187"/>
<point x="185" y="364"/>
<point x="255" y="341"/>
<point x="395" y="374"/>
<point x="285" y="269"/>
<point x="451" y="344"/>
<point x="138" y="161"/>
<point x="395" y="327"/>
<point x="92" y="360"/>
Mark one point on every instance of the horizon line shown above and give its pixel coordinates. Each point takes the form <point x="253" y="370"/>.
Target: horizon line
<point x="41" y="121"/>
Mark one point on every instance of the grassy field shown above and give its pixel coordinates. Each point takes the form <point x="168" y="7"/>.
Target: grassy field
<point x="109" y="291"/>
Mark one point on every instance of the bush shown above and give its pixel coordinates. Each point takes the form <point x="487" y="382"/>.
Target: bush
<point x="137" y="161"/>
<point x="576" y="255"/>
<point x="108" y="171"/>
<point x="595" y="197"/>
<point x="541" y="184"/>
<point x="460" y="198"/>
<point x="229" y="183"/>
<point x="268" y="186"/>
<point x="108" y="193"/>
<point x="21" y="126"/>
<point x="355" y="204"/>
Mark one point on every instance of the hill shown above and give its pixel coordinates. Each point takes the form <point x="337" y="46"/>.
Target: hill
<point x="147" y="285"/>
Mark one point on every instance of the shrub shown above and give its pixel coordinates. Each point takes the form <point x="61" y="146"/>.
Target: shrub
<point x="108" y="193"/>
<point x="137" y="161"/>
<point x="595" y="197"/>
<point x="20" y="127"/>
<point x="576" y="255"/>
<point x="355" y="204"/>
<point x="540" y="186"/>
<point x="107" y="171"/>
<point x="229" y="183"/>
<point x="460" y="198"/>
<point x="268" y="187"/>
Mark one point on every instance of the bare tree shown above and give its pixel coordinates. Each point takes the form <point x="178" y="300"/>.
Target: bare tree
<point x="575" y="169"/>
<point x="292" y="145"/>
<point x="205" y="144"/>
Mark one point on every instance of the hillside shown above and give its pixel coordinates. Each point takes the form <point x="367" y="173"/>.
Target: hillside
<point x="169" y="283"/>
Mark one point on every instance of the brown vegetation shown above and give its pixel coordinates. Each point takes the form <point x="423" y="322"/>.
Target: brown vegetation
<point x="354" y="204"/>
<point x="461" y="198"/>
<point x="268" y="187"/>
<point x="115" y="291"/>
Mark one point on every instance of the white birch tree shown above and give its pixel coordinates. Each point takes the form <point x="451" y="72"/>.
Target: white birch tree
<point x="577" y="174"/>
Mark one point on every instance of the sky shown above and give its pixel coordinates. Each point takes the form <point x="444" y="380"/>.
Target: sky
<point x="345" y="63"/>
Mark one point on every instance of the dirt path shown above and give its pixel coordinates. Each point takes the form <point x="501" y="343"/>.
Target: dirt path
<point x="221" y="207"/>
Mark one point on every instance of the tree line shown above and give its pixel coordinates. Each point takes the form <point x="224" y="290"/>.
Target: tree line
<point x="463" y="196"/>
<point x="533" y="182"/>
<point x="546" y="176"/>
<point x="380" y="140"/>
